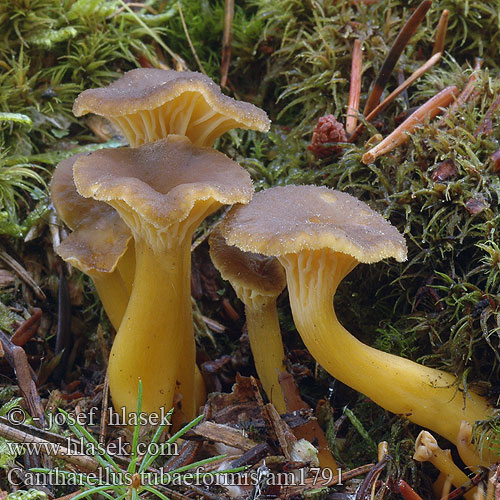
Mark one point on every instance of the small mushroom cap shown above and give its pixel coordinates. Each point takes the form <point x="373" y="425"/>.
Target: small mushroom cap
<point x="99" y="236"/>
<point x="425" y="446"/>
<point x="263" y="275"/>
<point x="289" y="219"/>
<point x="172" y="102"/>
<point x="161" y="182"/>
<point x="71" y="207"/>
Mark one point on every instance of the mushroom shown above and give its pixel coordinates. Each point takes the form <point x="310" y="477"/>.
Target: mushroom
<point x="428" y="450"/>
<point x="319" y="235"/>
<point x="99" y="241"/>
<point x="101" y="246"/>
<point x="257" y="281"/>
<point x="148" y="104"/>
<point x="466" y="449"/>
<point x="162" y="191"/>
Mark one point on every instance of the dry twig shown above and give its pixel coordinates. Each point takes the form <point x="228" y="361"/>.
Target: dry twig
<point x="191" y="46"/>
<point x="22" y="273"/>
<point x="396" y="50"/>
<point x="222" y="434"/>
<point x="318" y="482"/>
<point x="414" y="76"/>
<point x="441" y="32"/>
<point x="399" y="136"/>
<point x="104" y="411"/>
<point x="370" y="478"/>
<point x="355" y="88"/>
<point x="226" y="41"/>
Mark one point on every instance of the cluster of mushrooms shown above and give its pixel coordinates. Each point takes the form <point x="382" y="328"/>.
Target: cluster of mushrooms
<point x="133" y="211"/>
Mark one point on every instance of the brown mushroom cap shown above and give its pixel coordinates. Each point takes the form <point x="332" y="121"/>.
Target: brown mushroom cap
<point x="148" y="104"/>
<point x="285" y="220"/>
<point x="263" y="275"/>
<point x="99" y="237"/>
<point x="157" y="185"/>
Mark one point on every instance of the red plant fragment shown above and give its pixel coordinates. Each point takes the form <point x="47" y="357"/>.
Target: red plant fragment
<point x="445" y="170"/>
<point x="495" y="160"/>
<point x="407" y="491"/>
<point x="326" y="133"/>
<point x="476" y="205"/>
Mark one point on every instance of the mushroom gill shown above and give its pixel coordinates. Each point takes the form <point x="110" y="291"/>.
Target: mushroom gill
<point x="149" y="104"/>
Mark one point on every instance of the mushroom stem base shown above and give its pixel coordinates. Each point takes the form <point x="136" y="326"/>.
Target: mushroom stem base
<point x="150" y="343"/>
<point x="428" y="397"/>
<point x="267" y="347"/>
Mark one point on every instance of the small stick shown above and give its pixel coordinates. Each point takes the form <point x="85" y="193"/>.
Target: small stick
<point x="185" y="456"/>
<point x="465" y="94"/>
<point x="371" y="477"/>
<point x="396" y="50"/>
<point x="104" y="411"/>
<point x="406" y="491"/>
<point x="23" y="274"/>
<point x="399" y="136"/>
<point x="28" y="329"/>
<point x="178" y="61"/>
<point x="344" y="477"/>
<point x="441" y="32"/>
<point x="472" y="483"/>
<point x="251" y="457"/>
<point x="27" y="385"/>
<point x="213" y="325"/>
<point x="414" y="76"/>
<point x="226" y="41"/>
<point x="220" y="433"/>
<point x="485" y="126"/>
<point x="8" y="350"/>
<point x="286" y="438"/>
<point x="191" y="46"/>
<point x="355" y="88"/>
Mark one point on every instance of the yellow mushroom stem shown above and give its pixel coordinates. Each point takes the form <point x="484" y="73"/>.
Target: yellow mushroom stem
<point x="113" y="294"/>
<point x="427" y="450"/>
<point x="159" y="308"/>
<point x="428" y="397"/>
<point x="264" y="334"/>
<point x="442" y="485"/>
<point x="466" y="449"/>
<point x="187" y="382"/>
<point x="114" y="290"/>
